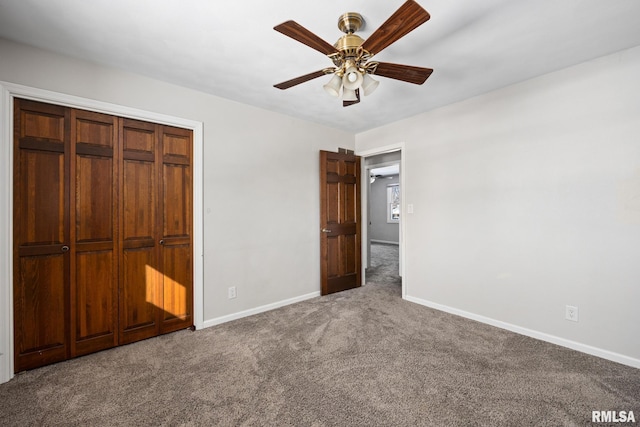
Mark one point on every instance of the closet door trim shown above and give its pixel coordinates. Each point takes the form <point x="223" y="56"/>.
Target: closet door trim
<point x="9" y="91"/>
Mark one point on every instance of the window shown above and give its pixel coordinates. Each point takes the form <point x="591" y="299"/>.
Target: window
<point x="393" y="203"/>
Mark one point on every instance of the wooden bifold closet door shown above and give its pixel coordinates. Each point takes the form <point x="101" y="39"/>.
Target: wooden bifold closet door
<point x="156" y="232"/>
<point x="102" y="232"/>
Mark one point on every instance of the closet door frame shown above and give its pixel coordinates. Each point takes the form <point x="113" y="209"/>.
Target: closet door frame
<point x="9" y="91"/>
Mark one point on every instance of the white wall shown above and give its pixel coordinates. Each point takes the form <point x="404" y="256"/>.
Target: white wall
<point x="527" y="199"/>
<point x="379" y="229"/>
<point x="261" y="207"/>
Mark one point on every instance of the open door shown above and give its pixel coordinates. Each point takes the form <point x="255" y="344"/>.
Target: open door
<point x="340" y="258"/>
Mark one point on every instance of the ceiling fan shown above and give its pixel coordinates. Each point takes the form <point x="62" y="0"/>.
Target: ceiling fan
<point x="351" y="54"/>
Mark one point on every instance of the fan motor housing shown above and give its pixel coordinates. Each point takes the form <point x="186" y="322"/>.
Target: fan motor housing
<point x="348" y="44"/>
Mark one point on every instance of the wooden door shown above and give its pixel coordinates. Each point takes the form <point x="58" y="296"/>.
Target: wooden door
<point x="156" y="283"/>
<point x="139" y="270"/>
<point x="94" y="249"/>
<point x="176" y="225"/>
<point x="41" y="234"/>
<point x="340" y="259"/>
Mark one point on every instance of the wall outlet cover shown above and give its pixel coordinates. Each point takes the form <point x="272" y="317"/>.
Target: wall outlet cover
<point x="571" y="313"/>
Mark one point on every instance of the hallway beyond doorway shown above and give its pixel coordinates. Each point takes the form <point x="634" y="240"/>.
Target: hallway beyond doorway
<point x="384" y="265"/>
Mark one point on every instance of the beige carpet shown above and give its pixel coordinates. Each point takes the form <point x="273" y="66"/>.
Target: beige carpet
<point x="359" y="358"/>
<point x="383" y="267"/>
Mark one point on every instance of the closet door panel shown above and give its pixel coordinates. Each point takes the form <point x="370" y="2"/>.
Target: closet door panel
<point x="138" y="137"/>
<point x="42" y="195"/>
<point x="139" y="313"/>
<point x="41" y="234"/>
<point x="139" y="202"/>
<point x="39" y="311"/>
<point x="178" y="292"/>
<point x="176" y="201"/>
<point x="94" y="291"/>
<point x="176" y="145"/>
<point x="94" y="199"/>
<point x="95" y="302"/>
<point x="140" y="292"/>
<point x="176" y="229"/>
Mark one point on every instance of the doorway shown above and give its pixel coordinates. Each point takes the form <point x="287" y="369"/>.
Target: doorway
<point x="383" y="242"/>
<point x="384" y="222"/>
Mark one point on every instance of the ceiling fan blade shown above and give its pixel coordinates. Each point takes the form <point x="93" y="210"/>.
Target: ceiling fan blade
<point x="406" y="73"/>
<point x="406" y="19"/>
<point x="304" y="36"/>
<point x="347" y="103"/>
<point x="301" y="79"/>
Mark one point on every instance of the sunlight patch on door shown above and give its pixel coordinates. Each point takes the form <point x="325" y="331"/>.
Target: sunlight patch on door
<point x="167" y="294"/>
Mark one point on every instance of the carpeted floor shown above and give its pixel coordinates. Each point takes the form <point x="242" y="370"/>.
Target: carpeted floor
<point x="384" y="265"/>
<point x="363" y="357"/>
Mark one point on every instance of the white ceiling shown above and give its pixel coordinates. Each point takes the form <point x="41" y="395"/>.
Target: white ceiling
<point x="230" y="49"/>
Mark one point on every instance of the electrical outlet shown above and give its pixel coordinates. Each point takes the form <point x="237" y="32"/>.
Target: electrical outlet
<point x="232" y="292"/>
<point x="571" y="313"/>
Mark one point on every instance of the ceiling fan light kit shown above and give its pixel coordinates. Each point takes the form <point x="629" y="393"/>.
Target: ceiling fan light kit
<point x="352" y="78"/>
<point x="369" y="84"/>
<point x="334" y="86"/>
<point x="351" y="54"/>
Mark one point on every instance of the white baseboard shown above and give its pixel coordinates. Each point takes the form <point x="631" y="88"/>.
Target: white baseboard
<point x="257" y="310"/>
<point x="5" y="373"/>
<point x="584" y="348"/>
